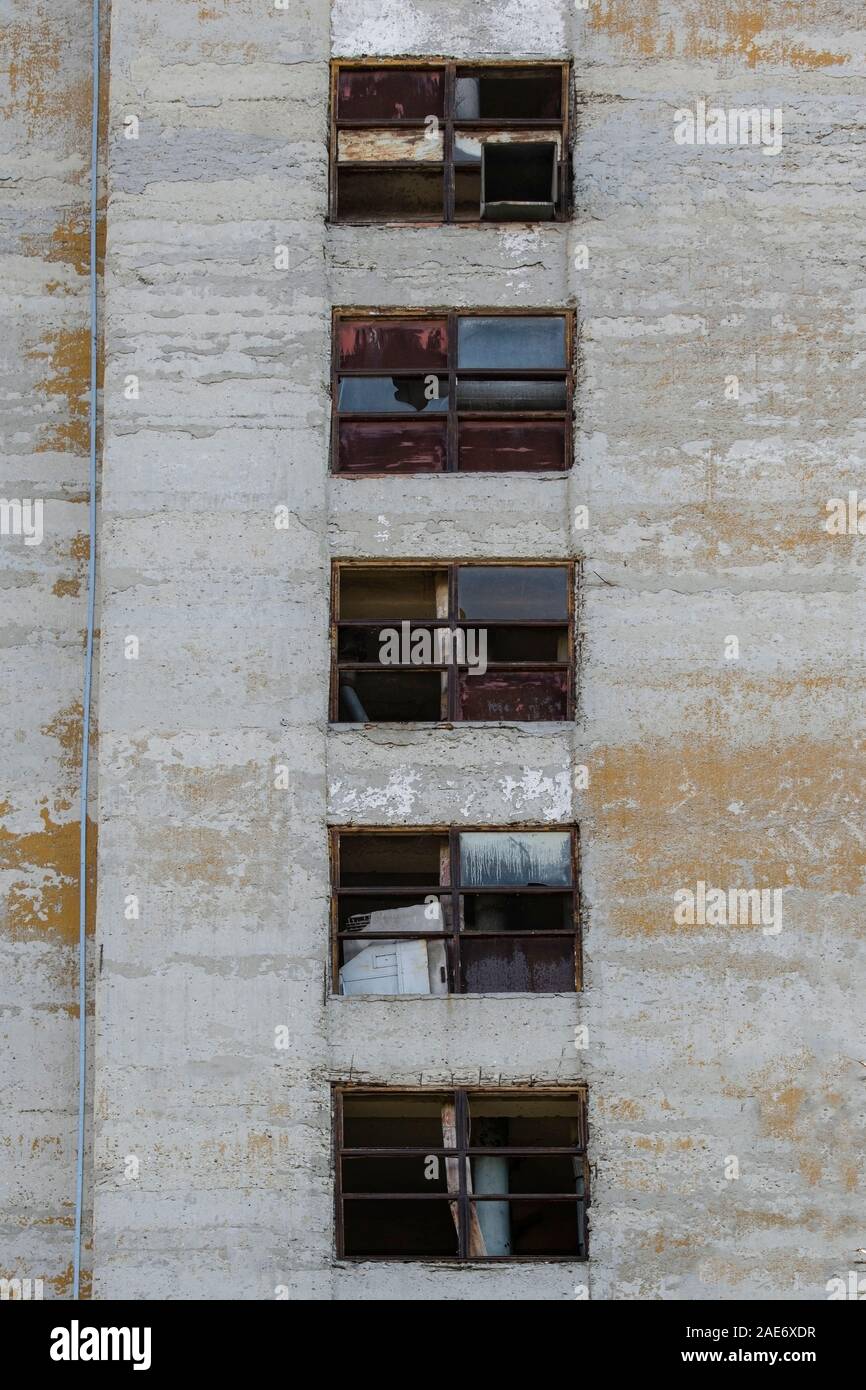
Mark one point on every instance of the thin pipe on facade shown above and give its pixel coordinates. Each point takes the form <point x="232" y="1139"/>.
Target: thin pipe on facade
<point x="88" y="668"/>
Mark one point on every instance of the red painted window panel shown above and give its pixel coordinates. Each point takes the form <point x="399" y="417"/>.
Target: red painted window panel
<point x="385" y="94"/>
<point x="405" y="446"/>
<point x="491" y="447"/>
<point x="523" y="695"/>
<point x="362" y="344"/>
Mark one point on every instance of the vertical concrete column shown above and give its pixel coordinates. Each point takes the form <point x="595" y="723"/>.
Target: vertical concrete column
<point x="211" y="1132"/>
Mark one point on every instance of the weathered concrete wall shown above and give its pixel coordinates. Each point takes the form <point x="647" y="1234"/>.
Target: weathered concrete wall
<point x="45" y="100"/>
<point x="212" y="1146"/>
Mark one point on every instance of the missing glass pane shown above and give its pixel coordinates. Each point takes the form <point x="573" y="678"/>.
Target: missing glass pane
<point x="413" y="697"/>
<point x="518" y="182"/>
<point x="391" y="860"/>
<point x="389" y="195"/>
<point x="505" y="94"/>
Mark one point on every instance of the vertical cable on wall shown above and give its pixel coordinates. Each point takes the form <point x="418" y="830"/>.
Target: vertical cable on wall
<point x="88" y="667"/>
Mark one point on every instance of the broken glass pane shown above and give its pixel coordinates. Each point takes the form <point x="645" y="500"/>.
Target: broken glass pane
<point x="528" y="341"/>
<point x="379" y="393"/>
<point x="512" y="592"/>
<point x="500" y="859"/>
<point x="526" y="1121"/>
<point x="392" y="1174"/>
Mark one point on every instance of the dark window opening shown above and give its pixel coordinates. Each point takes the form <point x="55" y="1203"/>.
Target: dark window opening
<point x="449" y="142"/>
<point x="462" y="1175"/>
<point x="482" y="393"/>
<point x="481" y="912"/>
<point x="454" y="642"/>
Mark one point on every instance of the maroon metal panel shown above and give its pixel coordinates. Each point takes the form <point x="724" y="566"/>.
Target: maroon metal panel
<point x="399" y="446"/>
<point x="536" y="695"/>
<point x="517" y="965"/>
<point x="390" y="94"/>
<point x="521" y="446"/>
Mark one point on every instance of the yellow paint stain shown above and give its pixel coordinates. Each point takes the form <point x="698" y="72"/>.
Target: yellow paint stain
<point x="66" y="588"/>
<point x="67" y="377"/>
<point x="43" y="899"/>
<point x="780" y="1112"/>
<point x="811" y="1170"/>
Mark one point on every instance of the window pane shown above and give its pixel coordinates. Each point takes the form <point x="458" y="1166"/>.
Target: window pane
<point x="491" y="447"/>
<point x="510" y="395"/>
<point x="377" y="393"/>
<point x="534" y="93"/>
<point x="394" y="1121"/>
<point x="499" y="859"/>
<point x="403" y="697"/>
<point x="384" y="343"/>
<point x="526" y="643"/>
<point x="390" y="860"/>
<point x="506" y="341"/>
<point x="527" y="696"/>
<point x="528" y="1173"/>
<point x="521" y="1228"/>
<point x="420" y="1173"/>
<point x="420" y="645"/>
<point x="513" y="592"/>
<point x="518" y="182"/>
<point x="517" y="965"/>
<point x="518" y="912"/>
<point x="412" y="446"/>
<point x="390" y="93"/>
<point x="525" y="1121"/>
<point x="379" y="1228"/>
<point x="389" y="593"/>
<point x="389" y="195"/>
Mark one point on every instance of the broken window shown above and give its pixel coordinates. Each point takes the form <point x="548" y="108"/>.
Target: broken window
<point x="455" y="911"/>
<point x="467" y="392"/>
<point x="417" y="644"/>
<point x="449" y="142"/>
<point x="462" y="1175"/>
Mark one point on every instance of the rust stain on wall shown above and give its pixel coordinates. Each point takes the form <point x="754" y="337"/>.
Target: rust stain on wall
<point x="44" y="899"/>
<point x="67" y="353"/>
<point x="711" y="31"/>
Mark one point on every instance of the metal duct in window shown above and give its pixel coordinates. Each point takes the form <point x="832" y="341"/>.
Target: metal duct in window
<point x="510" y="395"/>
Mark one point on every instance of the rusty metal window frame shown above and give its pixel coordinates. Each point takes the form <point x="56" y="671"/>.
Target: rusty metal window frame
<point x="454" y="891"/>
<point x="452" y="668"/>
<point x="448" y="122"/>
<point x="462" y="1097"/>
<point x="452" y="417"/>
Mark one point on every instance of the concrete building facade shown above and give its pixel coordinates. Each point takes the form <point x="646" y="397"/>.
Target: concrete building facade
<point x="720" y="362"/>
